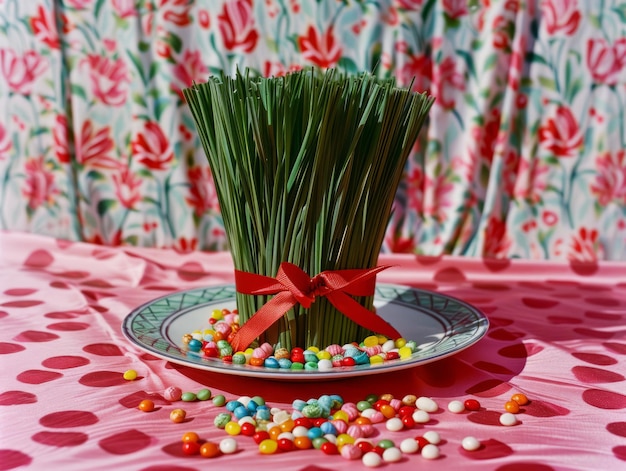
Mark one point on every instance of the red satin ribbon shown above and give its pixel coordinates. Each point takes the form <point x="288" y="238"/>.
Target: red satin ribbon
<point x="293" y="286"/>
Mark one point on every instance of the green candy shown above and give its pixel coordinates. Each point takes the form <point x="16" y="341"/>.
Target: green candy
<point x="363" y="405"/>
<point x="385" y="443"/>
<point x="258" y="400"/>
<point x="219" y="400"/>
<point x="312" y="411"/>
<point x="310" y="358"/>
<point x="203" y="395"/>
<point x="371" y="398"/>
<point x="309" y="365"/>
<point x="297" y="366"/>
<point x="239" y="359"/>
<point x="318" y="442"/>
<point x="188" y="397"/>
<point x="221" y="420"/>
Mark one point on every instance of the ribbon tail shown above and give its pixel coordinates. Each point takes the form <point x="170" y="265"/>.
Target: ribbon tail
<point x="262" y="319"/>
<point x="362" y="316"/>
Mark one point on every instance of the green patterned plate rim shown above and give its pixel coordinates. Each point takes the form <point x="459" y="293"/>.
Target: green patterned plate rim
<point x="440" y="325"/>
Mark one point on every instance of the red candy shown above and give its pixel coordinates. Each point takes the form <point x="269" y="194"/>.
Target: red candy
<point x="284" y="444"/>
<point x="408" y="421"/>
<point x="248" y="429"/>
<point x="329" y="448"/>
<point x="422" y="442"/>
<point x="191" y="448"/>
<point x="364" y="446"/>
<point x="406" y="410"/>
<point x="348" y="361"/>
<point x="472" y="405"/>
<point x="303" y="422"/>
<point x="258" y="437"/>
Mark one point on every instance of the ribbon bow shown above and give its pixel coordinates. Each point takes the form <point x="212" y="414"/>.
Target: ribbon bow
<point x="293" y="286"/>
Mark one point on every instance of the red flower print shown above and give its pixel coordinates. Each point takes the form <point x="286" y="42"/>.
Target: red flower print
<point x="79" y="4"/>
<point x="502" y="32"/>
<point x="44" y="27"/>
<point x="5" y="141"/>
<point x="446" y="82"/>
<point x="560" y="134"/>
<point x="59" y="132"/>
<point x="561" y="16"/>
<point x="455" y="8"/>
<point x="322" y="50"/>
<point x="127" y="185"/>
<point x="419" y="69"/>
<point x="93" y="147"/>
<point x="124" y="8"/>
<point x="39" y="185"/>
<point x="184" y="245"/>
<point x="606" y="62"/>
<point x="109" y="79"/>
<point x="437" y="197"/>
<point x="189" y="69"/>
<point x="20" y="72"/>
<point x="415" y="188"/>
<point x="610" y="184"/>
<point x="204" y="20"/>
<point x="549" y="218"/>
<point x="236" y="23"/>
<point x="531" y="180"/>
<point x="175" y="11"/>
<point x="497" y="242"/>
<point x="486" y="136"/>
<point x="151" y="147"/>
<point x="276" y="69"/>
<point x="410" y="5"/>
<point x="584" y="246"/>
<point x="400" y="244"/>
<point x="202" y="195"/>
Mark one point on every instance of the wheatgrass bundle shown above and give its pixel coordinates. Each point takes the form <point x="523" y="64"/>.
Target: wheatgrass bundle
<point x="306" y="168"/>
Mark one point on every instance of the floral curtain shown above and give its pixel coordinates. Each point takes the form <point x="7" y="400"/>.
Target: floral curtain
<point x="524" y="154"/>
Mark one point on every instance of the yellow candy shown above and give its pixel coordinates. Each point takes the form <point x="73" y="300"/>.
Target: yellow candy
<point x="344" y="439"/>
<point x="370" y="341"/>
<point x="405" y="352"/>
<point x="381" y="339"/>
<point x="401" y="342"/>
<point x="232" y="428"/>
<point x="341" y="415"/>
<point x="324" y="355"/>
<point x="313" y="349"/>
<point x="375" y="359"/>
<point x="217" y="314"/>
<point x="130" y="375"/>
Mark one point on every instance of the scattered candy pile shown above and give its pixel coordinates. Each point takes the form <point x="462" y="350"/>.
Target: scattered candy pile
<point x="214" y="343"/>
<point x="327" y="423"/>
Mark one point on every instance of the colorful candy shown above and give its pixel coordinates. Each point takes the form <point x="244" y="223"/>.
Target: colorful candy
<point x="146" y="405"/>
<point x="177" y="416"/>
<point x="470" y="443"/>
<point x="130" y="375"/>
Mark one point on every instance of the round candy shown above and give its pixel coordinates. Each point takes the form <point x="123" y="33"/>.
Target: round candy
<point x="371" y="459"/>
<point x="203" y="395"/>
<point x="421" y="417"/>
<point x="172" y="394"/>
<point x="456" y="407"/>
<point x="432" y="437"/>
<point x="177" y="416"/>
<point x="472" y="404"/>
<point x="391" y="455"/>
<point x="221" y="420"/>
<point x="520" y="398"/>
<point x="188" y="397"/>
<point x="430" y="452"/>
<point x="470" y="443"/>
<point x="408" y="445"/>
<point x="219" y="400"/>
<point x="209" y="450"/>
<point x="394" y="425"/>
<point x="507" y="419"/>
<point x="146" y="405"/>
<point x="512" y="407"/>
<point x="228" y="446"/>
<point x="426" y="404"/>
<point x="350" y="452"/>
<point x="130" y="375"/>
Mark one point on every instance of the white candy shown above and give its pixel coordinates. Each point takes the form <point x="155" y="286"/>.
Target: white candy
<point x="456" y="407"/>
<point x="421" y="417"/>
<point x="371" y="459"/>
<point x="228" y="446"/>
<point x="281" y="416"/>
<point x="367" y="413"/>
<point x="470" y="443"/>
<point x="288" y="435"/>
<point x="247" y="419"/>
<point x="331" y="438"/>
<point x="388" y="346"/>
<point x="426" y="404"/>
<point x="245" y="400"/>
<point x="324" y="365"/>
<point x="300" y="431"/>
<point x="394" y="424"/>
<point x="432" y="437"/>
<point x="409" y="445"/>
<point x="430" y="452"/>
<point x="507" y="419"/>
<point x="392" y="454"/>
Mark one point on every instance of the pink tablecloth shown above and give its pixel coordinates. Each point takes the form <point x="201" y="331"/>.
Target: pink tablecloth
<point x="557" y="334"/>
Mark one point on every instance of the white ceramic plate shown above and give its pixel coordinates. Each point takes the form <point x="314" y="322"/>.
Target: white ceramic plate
<point x="441" y="326"/>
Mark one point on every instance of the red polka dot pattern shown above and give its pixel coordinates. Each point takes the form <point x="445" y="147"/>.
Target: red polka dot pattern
<point x="69" y="418"/>
<point x="555" y="335"/>
<point x="123" y="443"/>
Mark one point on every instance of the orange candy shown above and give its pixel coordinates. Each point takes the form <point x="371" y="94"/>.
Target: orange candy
<point x="209" y="450"/>
<point x="190" y="437"/>
<point x="256" y="361"/>
<point x="512" y="407"/>
<point x="388" y="411"/>
<point x="146" y="405"/>
<point x="287" y="425"/>
<point x="302" y="442"/>
<point x="274" y="432"/>
<point x="520" y="398"/>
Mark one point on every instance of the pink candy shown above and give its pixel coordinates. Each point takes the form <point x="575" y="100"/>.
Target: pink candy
<point x="351" y="452"/>
<point x="340" y="425"/>
<point x="368" y="430"/>
<point x="377" y="417"/>
<point x="396" y="404"/>
<point x="351" y="409"/>
<point x="223" y="328"/>
<point x="335" y="349"/>
<point x="355" y="431"/>
<point x="172" y="394"/>
<point x="371" y="351"/>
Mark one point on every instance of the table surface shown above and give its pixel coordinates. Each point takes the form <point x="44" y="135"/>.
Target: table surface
<point x="557" y="334"/>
